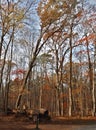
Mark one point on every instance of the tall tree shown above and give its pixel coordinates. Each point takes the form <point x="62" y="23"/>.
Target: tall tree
<point x="12" y="16"/>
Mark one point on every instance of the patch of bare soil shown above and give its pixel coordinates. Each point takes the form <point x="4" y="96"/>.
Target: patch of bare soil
<point x="23" y="123"/>
<point x="74" y="120"/>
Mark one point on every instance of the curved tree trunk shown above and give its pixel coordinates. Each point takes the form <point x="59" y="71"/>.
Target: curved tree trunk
<point x="37" y="49"/>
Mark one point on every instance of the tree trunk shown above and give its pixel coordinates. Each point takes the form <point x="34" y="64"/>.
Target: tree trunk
<point x="35" y="53"/>
<point x="70" y="82"/>
<point x="90" y="79"/>
<point x="94" y="82"/>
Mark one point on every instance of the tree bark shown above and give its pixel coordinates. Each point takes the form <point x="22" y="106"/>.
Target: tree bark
<point x="70" y="82"/>
<point x="91" y="84"/>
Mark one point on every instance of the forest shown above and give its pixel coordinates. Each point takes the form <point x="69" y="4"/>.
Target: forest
<point x="48" y="56"/>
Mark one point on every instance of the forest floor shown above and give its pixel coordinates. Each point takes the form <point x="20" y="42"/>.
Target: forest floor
<point x="60" y="123"/>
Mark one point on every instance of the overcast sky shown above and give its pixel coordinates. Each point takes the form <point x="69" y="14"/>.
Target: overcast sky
<point x="92" y="1"/>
